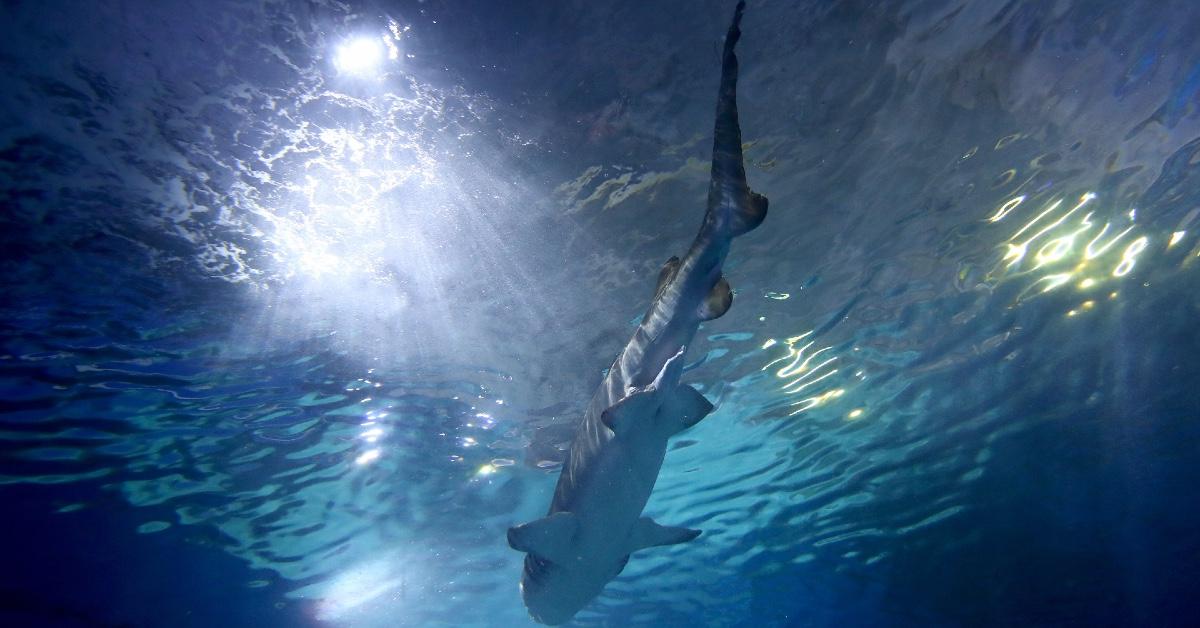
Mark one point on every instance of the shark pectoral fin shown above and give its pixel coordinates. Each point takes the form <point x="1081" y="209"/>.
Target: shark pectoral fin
<point x="619" y="416"/>
<point x="687" y="406"/>
<point x="718" y="301"/>
<point x="549" y="537"/>
<point x="647" y="533"/>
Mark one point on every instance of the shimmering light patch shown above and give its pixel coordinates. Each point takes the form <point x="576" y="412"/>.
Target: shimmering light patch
<point x="367" y="457"/>
<point x="1017" y="251"/>
<point x="1053" y="206"/>
<point x="1054" y="240"/>
<point x="805" y="370"/>
<point x="793" y="369"/>
<point x="353" y="590"/>
<point x="1087" y="305"/>
<point x="813" y="402"/>
<point x="1129" y="257"/>
<point x="1054" y="281"/>
<point x="854" y="414"/>
<point x="1006" y="140"/>
<point x="1006" y="208"/>
<point x="360" y="56"/>
<point x="1091" y="252"/>
<point x="769" y="343"/>
<point x="485" y="470"/>
<point x="1054" y="250"/>
<point x="804" y="381"/>
<point x="778" y="296"/>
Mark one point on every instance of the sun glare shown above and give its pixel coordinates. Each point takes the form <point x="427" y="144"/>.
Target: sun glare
<point x="361" y="56"/>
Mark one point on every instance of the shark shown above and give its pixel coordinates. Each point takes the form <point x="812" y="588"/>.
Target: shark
<point x="595" y="518"/>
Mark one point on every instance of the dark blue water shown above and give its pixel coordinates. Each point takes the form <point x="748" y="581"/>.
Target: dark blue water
<point x="301" y="301"/>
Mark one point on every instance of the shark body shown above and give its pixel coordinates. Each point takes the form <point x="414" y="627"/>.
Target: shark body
<point x="594" y="522"/>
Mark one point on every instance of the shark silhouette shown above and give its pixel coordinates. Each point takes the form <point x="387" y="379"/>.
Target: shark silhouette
<point x="594" y="522"/>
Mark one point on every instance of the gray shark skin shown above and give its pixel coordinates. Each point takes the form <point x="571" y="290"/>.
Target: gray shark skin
<point x="594" y="522"/>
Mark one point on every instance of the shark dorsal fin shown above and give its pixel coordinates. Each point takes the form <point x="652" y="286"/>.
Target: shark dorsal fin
<point x="718" y="301"/>
<point x="665" y="275"/>
<point x="550" y="537"/>
<point x="647" y="533"/>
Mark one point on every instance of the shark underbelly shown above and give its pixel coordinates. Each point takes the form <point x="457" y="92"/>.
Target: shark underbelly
<point x="614" y="494"/>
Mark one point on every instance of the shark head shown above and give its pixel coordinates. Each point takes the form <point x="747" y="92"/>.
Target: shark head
<point x="553" y="593"/>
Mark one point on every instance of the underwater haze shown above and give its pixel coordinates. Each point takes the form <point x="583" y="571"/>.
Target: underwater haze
<point x="303" y="299"/>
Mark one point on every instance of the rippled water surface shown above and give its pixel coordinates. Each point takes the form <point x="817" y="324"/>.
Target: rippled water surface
<point x="302" y="300"/>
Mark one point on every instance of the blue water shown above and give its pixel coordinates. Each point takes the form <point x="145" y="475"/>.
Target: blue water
<point x="302" y="299"/>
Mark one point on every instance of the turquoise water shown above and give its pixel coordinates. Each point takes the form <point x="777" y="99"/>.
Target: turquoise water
<point x="302" y="301"/>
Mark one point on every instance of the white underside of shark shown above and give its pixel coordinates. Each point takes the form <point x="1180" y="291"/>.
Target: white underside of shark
<point x="595" y="519"/>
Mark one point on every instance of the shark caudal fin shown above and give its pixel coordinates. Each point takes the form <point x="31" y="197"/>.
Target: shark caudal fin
<point x="732" y="207"/>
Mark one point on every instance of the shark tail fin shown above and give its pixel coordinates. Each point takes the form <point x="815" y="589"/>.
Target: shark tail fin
<point x="730" y="200"/>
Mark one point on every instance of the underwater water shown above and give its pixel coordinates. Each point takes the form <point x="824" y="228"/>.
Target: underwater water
<point x="303" y="298"/>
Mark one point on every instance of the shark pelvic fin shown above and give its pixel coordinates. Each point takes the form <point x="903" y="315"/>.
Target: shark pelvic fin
<point x="685" y="408"/>
<point x="549" y="537"/>
<point x="751" y="214"/>
<point x="718" y="301"/>
<point x="622" y="414"/>
<point x="647" y="533"/>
